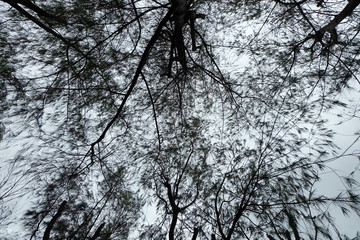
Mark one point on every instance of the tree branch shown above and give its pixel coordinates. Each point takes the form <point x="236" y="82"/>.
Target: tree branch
<point x="53" y="220"/>
<point x="97" y="233"/>
<point x="141" y="64"/>
<point x="331" y="26"/>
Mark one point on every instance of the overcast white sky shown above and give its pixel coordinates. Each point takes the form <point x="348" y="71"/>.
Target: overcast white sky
<point x="331" y="183"/>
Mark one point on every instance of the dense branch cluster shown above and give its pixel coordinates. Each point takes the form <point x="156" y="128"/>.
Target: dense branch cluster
<point x="212" y="114"/>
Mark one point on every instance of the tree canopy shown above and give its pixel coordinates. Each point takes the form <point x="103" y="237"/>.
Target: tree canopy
<point x="213" y="113"/>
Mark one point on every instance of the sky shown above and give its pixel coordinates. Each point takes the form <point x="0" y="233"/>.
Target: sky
<point x="331" y="182"/>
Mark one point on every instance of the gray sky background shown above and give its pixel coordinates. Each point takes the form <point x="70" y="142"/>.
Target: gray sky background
<point x="331" y="183"/>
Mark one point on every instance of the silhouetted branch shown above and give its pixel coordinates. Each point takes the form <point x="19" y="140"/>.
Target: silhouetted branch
<point x="98" y="231"/>
<point x="53" y="220"/>
<point x="196" y="232"/>
<point x="141" y="64"/>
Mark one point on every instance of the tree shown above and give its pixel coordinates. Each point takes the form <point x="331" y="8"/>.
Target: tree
<point x="214" y="111"/>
